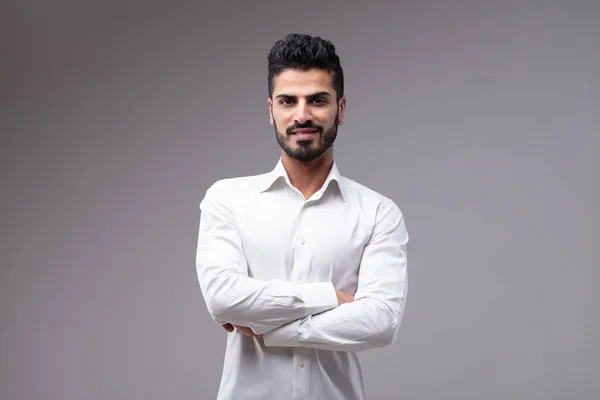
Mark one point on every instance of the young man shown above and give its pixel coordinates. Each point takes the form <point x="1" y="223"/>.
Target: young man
<point x="304" y="267"/>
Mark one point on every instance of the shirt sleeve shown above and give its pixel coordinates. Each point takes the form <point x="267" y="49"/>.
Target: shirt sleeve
<point x="232" y="296"/>
<point x="373" y="318"/>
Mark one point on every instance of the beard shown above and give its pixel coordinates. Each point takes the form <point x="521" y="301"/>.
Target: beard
<point x="307" y="150"/>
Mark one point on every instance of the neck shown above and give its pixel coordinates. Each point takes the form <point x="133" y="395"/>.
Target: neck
<point x="308" y="176"/>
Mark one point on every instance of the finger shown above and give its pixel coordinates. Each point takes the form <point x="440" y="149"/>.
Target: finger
<point x="245" y="330"/>
<point x="240" y="329"/>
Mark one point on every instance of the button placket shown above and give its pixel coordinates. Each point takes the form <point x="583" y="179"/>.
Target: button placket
<point x="301" y="377"/>
<point x="300" y="238"/>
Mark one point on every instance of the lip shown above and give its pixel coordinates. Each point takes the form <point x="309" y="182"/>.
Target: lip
<point x="305" y="136"/>
<point x="304" y="133"/>
<point x="305" y="130"/>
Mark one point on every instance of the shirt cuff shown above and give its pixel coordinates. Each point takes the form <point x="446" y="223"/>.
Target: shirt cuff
<point x="318" y="297"/>
<point x="284" y="336"/>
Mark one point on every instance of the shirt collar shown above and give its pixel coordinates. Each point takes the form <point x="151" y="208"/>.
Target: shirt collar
<point x="279" y="172"/>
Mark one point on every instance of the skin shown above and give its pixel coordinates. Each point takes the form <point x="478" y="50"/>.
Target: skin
<point x="304" y="100"/>
<point x="305" y="97"/>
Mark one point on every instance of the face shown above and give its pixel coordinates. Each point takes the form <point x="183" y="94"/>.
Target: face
<point x="305" y="112"/>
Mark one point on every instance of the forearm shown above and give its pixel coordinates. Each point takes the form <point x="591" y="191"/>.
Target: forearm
<point x="360" y="325"/>
<point x="261" y="305"/>
<point x="231" y="295"/>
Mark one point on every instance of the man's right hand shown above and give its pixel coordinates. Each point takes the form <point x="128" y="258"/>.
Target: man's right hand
<point x="344" y="298"/>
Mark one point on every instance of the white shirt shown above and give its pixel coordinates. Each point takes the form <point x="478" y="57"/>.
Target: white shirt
<point x="271" y="260"/>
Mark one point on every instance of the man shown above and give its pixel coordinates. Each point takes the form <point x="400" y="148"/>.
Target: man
<point x="304" y="267"/>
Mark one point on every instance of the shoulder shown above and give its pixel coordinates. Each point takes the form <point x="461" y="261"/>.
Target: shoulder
<point x="368" y="197"/>
<point x="386" y="216"/>
<point x="229" y="189"/>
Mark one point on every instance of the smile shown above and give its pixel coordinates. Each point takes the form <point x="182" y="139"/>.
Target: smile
<point x="305" y="135"/>
<point x="305" y="130"/>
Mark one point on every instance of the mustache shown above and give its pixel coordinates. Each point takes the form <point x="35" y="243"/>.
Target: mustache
<point x="307" y="124"/>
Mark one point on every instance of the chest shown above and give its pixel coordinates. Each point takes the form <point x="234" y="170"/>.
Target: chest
<point x="305" y="242"/>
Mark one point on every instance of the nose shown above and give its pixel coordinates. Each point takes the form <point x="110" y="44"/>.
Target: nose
<point x="302" y="113"/>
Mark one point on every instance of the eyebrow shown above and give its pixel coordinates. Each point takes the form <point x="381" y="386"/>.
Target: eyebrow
<point x="310" y="96"/>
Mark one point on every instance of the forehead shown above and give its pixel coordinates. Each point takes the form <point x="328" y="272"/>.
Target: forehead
<point x="302" y="83"/>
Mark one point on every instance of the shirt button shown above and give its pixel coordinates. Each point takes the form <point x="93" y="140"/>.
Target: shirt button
<point x="302" y="240"/>
<point x="301" y="363"/>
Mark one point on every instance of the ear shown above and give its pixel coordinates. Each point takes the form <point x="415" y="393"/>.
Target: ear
<point x="270" y="103"/>
<point x="342" y="109"/>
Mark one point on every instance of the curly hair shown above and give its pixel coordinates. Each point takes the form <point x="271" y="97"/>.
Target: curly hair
<point x="304" y="52"/>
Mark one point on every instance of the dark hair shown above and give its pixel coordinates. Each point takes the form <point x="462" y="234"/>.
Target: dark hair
<point x="303" y="52"/>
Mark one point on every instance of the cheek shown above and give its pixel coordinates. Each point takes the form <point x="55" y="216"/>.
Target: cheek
<point x="281" y="120"/>
<point x="327" y="119"/>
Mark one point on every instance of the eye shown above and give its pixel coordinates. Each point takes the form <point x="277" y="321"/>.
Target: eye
<point x="286" y="102"/>
<point x="320" y="101"/>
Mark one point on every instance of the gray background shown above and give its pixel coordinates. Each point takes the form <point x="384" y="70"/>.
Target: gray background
<point x="480" y="119"/>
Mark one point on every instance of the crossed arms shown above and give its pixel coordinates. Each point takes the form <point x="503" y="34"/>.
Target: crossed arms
<point x="311" y="315"/>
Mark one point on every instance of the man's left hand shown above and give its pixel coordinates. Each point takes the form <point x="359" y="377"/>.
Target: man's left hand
<point x="243" y="329"/>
